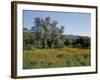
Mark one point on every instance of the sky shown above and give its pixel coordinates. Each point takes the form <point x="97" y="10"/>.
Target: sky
<point x="74" y="23"/>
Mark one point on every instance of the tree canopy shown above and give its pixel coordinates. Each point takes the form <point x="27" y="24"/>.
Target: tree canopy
<point x="47" y="33"/>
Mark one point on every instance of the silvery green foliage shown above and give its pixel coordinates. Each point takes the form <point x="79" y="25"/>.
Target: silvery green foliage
<point x="48" y="33"/>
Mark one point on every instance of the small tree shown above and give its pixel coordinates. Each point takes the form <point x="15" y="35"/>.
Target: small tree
<point x="82" y="42"/>
<point x="67" y="42"/>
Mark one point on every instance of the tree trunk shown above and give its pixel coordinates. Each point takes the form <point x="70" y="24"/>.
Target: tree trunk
<point x="43" y="43"/>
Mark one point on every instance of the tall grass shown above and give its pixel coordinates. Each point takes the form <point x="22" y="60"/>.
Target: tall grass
<point x="50" y="58"/>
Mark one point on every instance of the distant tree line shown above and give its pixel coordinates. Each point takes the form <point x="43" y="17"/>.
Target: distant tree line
<point x="49" y="34"/>
<point x="81" y="42"/>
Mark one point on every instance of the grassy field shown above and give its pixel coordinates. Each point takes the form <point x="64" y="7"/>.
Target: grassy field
<point x="50" y="58"/>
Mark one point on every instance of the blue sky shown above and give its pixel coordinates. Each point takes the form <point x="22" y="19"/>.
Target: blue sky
<point x="74" y="23"/>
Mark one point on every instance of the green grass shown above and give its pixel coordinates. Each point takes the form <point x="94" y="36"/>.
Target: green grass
<point x="50" y="58"/>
